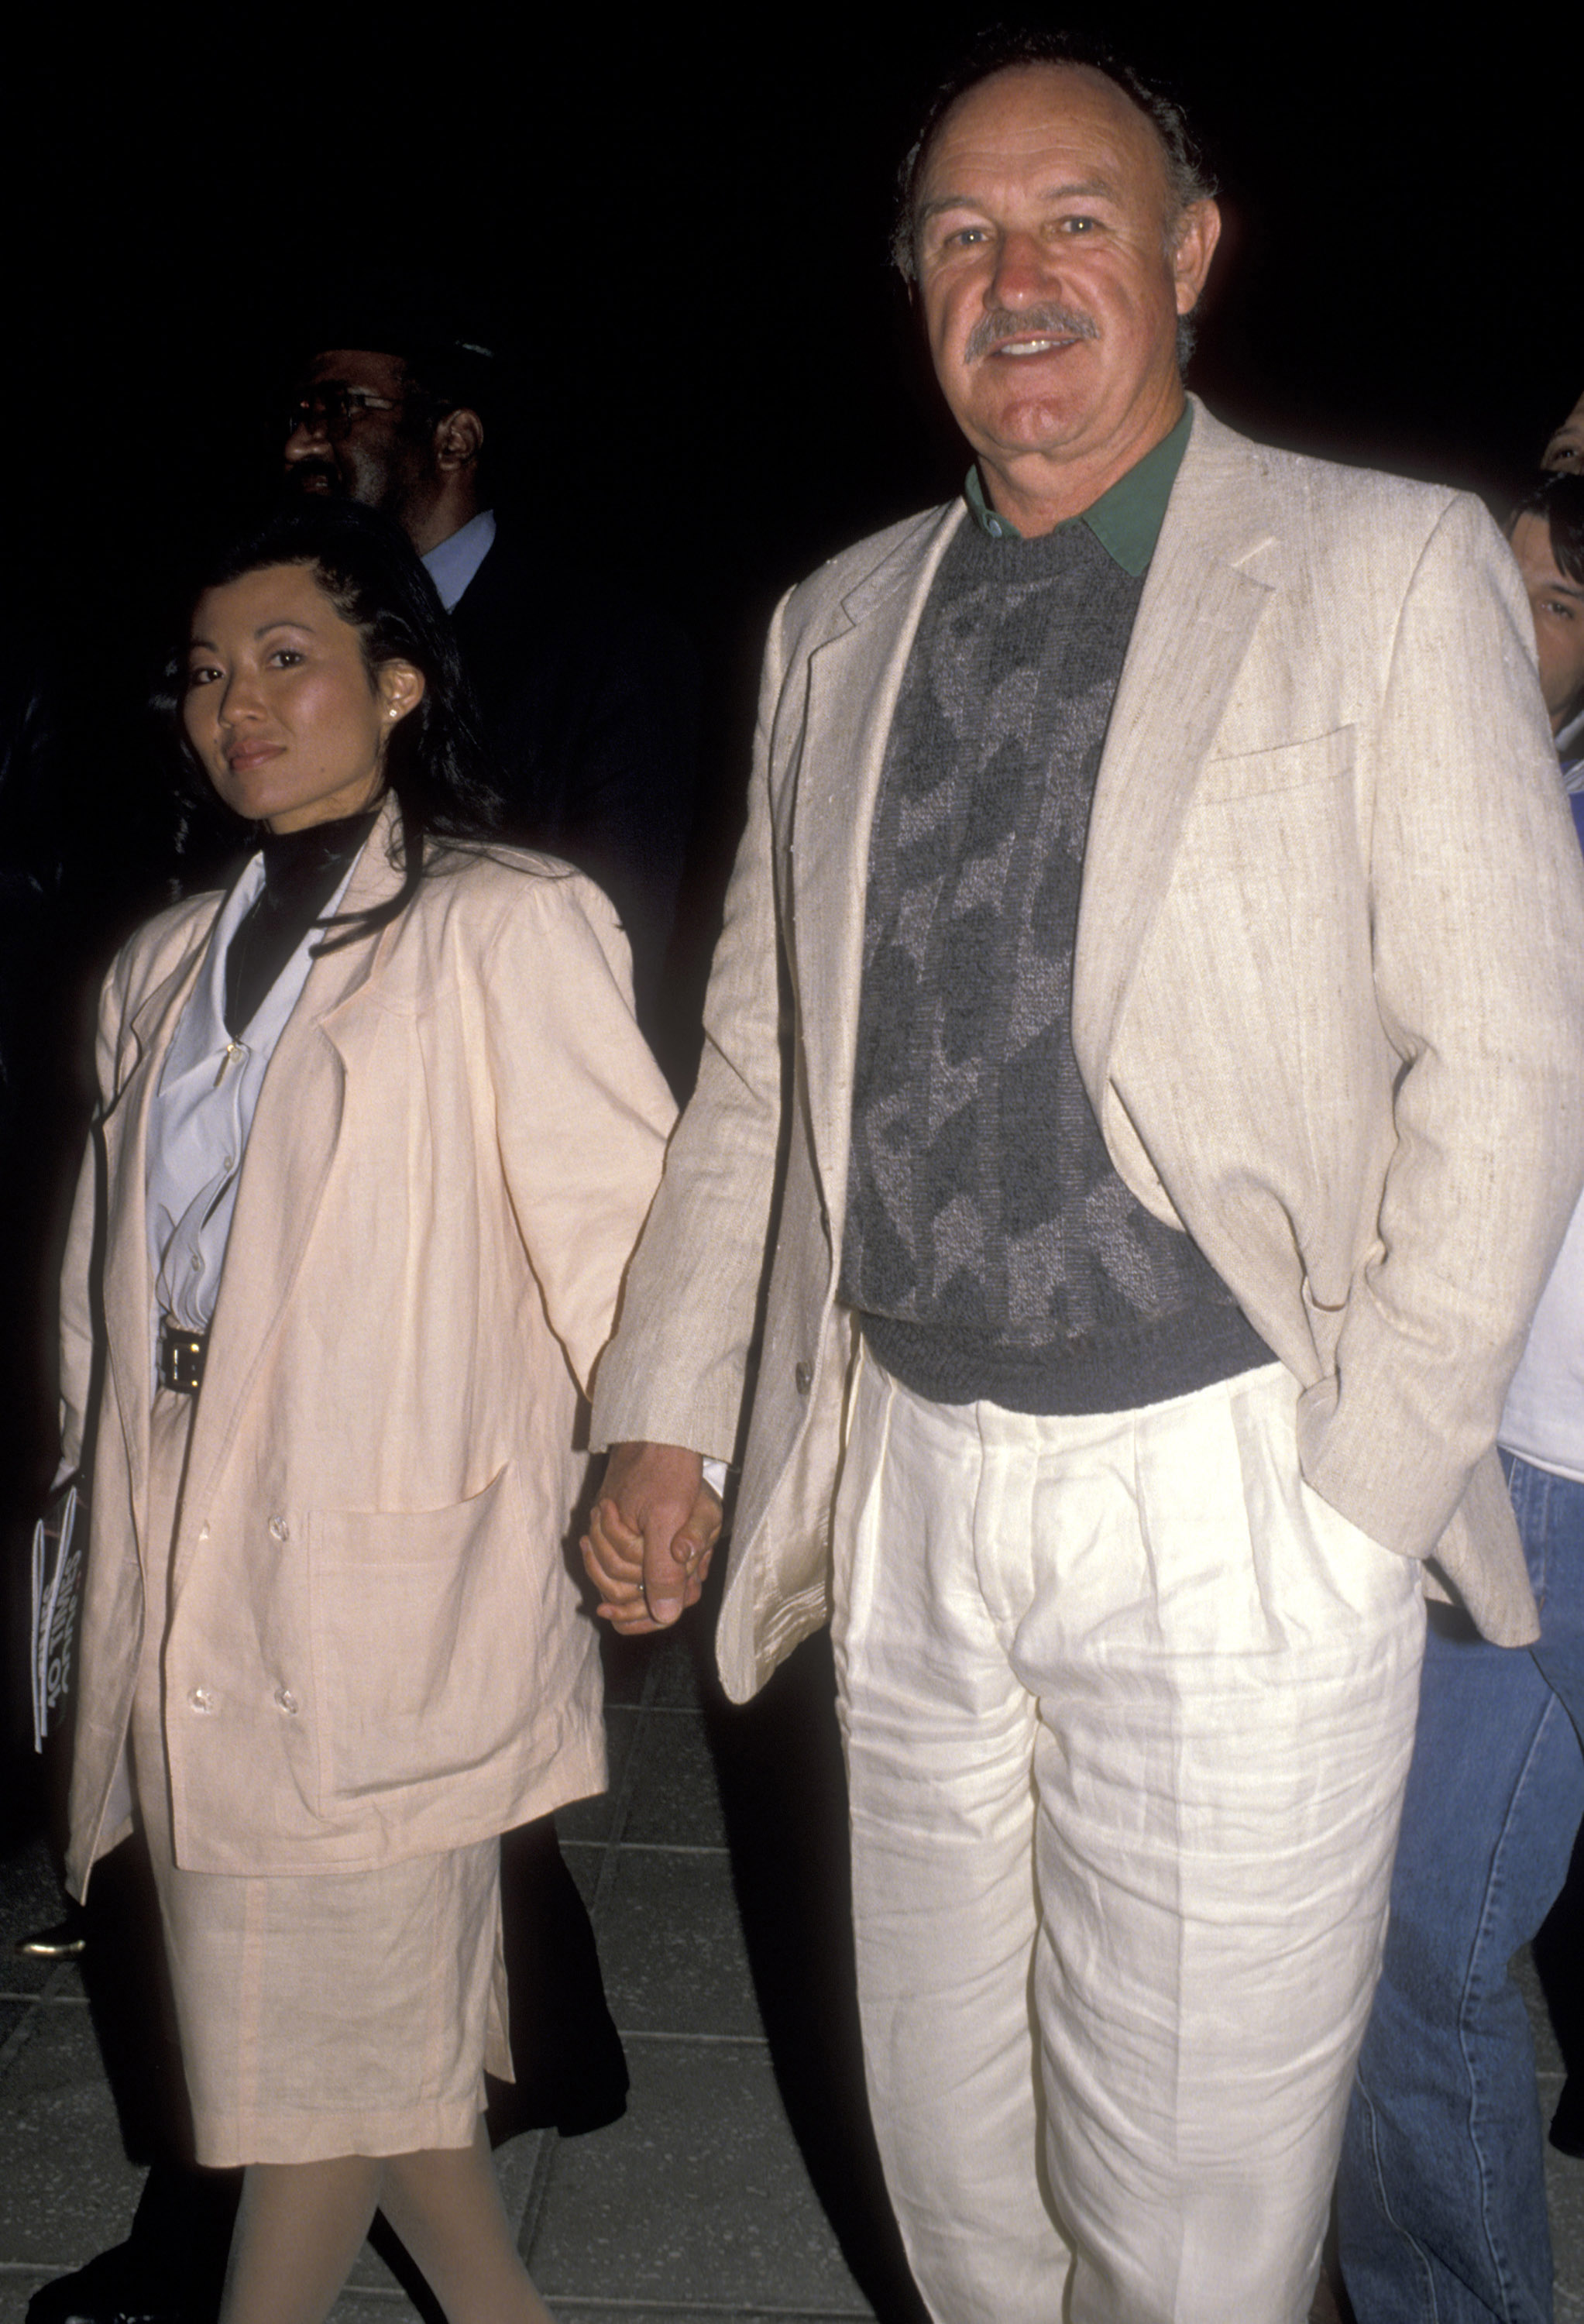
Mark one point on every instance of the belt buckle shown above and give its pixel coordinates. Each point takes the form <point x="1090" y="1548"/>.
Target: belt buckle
<point x="181" y="1358"/>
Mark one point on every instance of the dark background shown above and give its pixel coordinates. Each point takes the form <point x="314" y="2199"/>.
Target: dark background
<point x="682" y="236"/>
<point x="679" y="236"/>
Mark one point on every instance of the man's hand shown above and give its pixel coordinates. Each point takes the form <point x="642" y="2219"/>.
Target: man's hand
<point x="654" y="1525"/>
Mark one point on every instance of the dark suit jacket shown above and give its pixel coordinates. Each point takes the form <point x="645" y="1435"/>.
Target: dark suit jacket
<point x="591" y="701"/>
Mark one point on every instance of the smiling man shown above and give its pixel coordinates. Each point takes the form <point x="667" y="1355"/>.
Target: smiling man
<point x="1185" y="1104"/>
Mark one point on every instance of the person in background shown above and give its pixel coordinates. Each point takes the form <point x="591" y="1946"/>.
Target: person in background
<point x="1442" y="2197"/>
<point x="589" y="696"/>
<point x="1564" y="449"/>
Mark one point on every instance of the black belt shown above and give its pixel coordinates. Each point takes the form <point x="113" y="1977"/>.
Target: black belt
<point x="181" y="1357"/>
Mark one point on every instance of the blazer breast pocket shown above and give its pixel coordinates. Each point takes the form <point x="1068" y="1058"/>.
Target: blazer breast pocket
<point x="1274" y="823"/>
<point x="1285" y="767"/>
<point x="420" y="1638"/>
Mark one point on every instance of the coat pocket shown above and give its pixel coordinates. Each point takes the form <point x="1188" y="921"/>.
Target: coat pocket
<point x="1285" y="767"/>
<point x="421" y="1644"/>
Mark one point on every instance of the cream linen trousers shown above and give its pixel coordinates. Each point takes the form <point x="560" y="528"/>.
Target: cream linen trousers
<point x="1128" y="1712"/>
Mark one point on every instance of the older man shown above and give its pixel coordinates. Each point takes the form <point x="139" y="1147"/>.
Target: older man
<point x="1184" y="1107"/>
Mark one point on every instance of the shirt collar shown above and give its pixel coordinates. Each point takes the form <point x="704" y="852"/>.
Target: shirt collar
<point x="1570" y="751"/>
<point x="1126" y="518"/>
<point x="453" y="562"/>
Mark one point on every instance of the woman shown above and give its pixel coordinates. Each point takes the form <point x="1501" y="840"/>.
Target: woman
<point x="378" y="1132"/>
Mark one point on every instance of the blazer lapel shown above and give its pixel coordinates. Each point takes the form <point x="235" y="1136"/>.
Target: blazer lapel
<point x="128" y="1283"/>
<point x="1201" y="606"/>
<point x="289" y="1149"/>
<point x="854" y="680"/>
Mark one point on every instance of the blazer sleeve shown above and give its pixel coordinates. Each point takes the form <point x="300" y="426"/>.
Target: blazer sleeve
<point x="77" y="1316"/>
<point x="1478" y="897"/>
<point x="582" y="1110"/>
<point x="677" y="1372"/>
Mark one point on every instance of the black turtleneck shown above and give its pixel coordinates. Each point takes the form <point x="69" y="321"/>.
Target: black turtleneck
<point x="302" y="870"/>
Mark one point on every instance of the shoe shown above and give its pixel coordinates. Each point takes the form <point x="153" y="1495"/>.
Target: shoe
<point x="64" y="1940"/>
<point x="113" y="2289"/>
<point x="1566" y="2125"/>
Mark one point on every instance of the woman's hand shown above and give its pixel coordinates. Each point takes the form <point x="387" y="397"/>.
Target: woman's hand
<point x="650" y="1536"/>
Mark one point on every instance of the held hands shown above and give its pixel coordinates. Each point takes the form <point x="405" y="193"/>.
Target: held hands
<point x="649" y="1539"/>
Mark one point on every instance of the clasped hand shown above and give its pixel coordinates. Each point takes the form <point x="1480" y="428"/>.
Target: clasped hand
<point x="650" y="1536"/>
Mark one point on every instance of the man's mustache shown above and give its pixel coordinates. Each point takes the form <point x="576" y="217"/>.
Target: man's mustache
<point x="307" y="475"/>
<point x="1046" y="322"/>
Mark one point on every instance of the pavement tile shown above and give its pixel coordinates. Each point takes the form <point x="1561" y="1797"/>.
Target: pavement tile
<point x="583" y="1860"/>
<point x="674" y="1800"/>
<point x="583" y="2311"/>
<point x="698" y="2196"/>
<point x="592" y="1818"/>
<point x="680" y="1660"/>
<point x="626" y="1663"/>
<point x="671" y="1946"/>
<point x="29" y="1899"/>
<point x="17" y="2287"/>
<point x="66" y="2190"/>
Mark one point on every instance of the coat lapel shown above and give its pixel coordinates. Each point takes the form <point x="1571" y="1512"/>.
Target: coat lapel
<point x="1201" y="606"/>
<point x="289" y="1149"/>
<point x="128" y="1284"/>
<point x="853" y="681"/>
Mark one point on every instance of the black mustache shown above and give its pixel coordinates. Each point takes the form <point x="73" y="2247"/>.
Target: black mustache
<point x="300" y="473"/>
<point x="1035" y="322"/>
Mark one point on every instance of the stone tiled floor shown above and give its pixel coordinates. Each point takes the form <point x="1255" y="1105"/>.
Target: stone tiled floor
<point x="699" y="2203"/>
<point x="725" y="1973"/>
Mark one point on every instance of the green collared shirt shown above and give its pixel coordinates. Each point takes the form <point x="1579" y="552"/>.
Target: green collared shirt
<point x="1126" y="518"/>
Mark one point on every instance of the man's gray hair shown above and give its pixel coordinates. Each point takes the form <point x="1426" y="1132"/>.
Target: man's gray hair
<point x="1001" y="48"/>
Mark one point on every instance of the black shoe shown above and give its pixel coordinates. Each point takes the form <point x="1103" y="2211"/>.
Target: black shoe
<point x="66" y="1940"/>
<point x="1566" y="2125"/>
<point x="116" y="2288"/>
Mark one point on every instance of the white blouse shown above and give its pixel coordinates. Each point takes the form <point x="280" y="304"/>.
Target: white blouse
<point x="202" y="1112"/>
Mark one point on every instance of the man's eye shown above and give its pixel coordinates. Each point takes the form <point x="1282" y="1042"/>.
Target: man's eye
<point x="1078" y="224"/>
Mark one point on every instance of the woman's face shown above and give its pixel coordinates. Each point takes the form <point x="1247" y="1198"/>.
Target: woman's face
<point x="287" y="720"/>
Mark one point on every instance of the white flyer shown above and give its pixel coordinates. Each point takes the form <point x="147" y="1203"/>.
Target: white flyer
<point x="57" y="1589"/>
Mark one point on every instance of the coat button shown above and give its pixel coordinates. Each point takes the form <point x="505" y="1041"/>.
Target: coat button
<point x="803" y="1376"/>
<point x="279" y="1529"/>
<point x="201" y="1698"/>
<point x="285" y="1698"/>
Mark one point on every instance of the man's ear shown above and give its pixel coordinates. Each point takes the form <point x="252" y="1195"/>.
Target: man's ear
<point x="459" y="438"/>
<point x="1199" y="229"/>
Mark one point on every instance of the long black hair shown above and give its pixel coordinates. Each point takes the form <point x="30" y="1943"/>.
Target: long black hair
<point x="437" y="761"/>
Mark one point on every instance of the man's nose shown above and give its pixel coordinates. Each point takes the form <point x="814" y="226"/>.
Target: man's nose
<point x="1023" y="272"/>
<point x="307" y="434"/>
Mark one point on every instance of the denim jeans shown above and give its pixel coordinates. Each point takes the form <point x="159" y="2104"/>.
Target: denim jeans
<point x="1441" y="2196"/>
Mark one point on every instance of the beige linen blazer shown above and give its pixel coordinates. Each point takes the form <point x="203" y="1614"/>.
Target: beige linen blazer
<point x="375" y="1645"/>
<point x="1328" y="1005"/>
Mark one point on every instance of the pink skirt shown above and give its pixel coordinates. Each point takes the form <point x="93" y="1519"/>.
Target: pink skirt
<point x="341" y="2014"/>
